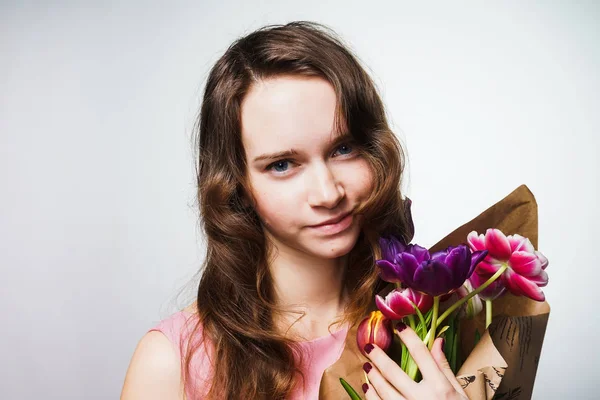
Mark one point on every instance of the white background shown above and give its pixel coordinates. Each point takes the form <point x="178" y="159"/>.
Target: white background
<point x="98" y="228"/>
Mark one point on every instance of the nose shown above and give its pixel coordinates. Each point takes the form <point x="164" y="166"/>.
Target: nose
<point x="323" y="189"/>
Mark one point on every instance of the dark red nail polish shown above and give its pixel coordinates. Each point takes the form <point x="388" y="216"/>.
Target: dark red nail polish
<point x="365" y="387"/>
<point x="367" y="367"/>
<point x="368" y="348"/>
<point x="443" y="343"/>
<point x="400" y="326"/>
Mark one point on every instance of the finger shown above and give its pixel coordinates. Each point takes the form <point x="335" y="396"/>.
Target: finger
<point x="389" y="370"/>
<point x="442" y="362"/>
<point x="419" y="352"/>
<point x="370" y="393"/>
<point x="381" y="386"/>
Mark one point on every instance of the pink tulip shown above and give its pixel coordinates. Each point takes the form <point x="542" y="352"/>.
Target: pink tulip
<point x="474" y="305"/>
<point x="493" y="291"/>
<point x="525" y="274"/>
<point x="398" y="303"/>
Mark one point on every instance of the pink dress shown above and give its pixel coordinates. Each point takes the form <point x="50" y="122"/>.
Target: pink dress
<point x="318" y="354"/>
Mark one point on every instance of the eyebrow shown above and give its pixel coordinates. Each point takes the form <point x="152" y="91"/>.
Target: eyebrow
<point x="346" y="137"/>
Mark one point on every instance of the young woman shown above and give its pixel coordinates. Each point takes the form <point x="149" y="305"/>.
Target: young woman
<point x="298" y="175"/>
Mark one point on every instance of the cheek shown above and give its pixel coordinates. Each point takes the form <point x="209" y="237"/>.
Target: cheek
<point x="275" y="205"/>
<point x="358" y="180"/>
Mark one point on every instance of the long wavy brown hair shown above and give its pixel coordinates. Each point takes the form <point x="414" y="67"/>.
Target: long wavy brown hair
<point x="236" y="303"/>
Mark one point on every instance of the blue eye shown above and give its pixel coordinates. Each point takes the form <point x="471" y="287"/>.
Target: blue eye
<point x="279" y="166"/>
<point x="344" y="149"/>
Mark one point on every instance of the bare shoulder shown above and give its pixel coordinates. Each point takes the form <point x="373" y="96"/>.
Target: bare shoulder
<point x="154" y="371"/>
<point x="192" y="308"/>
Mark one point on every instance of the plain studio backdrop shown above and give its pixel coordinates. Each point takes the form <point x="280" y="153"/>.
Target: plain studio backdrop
<point x="98" y="224"/>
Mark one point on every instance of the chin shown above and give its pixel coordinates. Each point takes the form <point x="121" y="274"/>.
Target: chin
<point x="330" y="248"/>
<point x="332" y="254"/>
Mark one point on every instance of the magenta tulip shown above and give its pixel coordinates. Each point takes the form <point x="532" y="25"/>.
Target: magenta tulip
<point x="525" y="274"/>
<point x="493" y="291"/>
<point x="400" y="303"/>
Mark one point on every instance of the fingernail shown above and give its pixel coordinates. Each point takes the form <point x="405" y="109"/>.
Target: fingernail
<point x="369" y="347"/>
<point x="443" y="343"/>
<point x="367" y="367"/>
<point x="365" y="387"/>
<point x="400" y="326"/>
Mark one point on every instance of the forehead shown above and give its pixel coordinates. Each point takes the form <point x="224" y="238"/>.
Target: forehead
<point x="287" y="112"/>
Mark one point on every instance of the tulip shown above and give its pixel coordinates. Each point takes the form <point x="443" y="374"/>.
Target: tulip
<point x="400" y="303"/>
<point x="493" y="291"/>
<point x="525" y="267"/>
<point x="473" y="306"/>
<point x="376" y="329"/>
<point x="391" y="249"/>
<point x="409" y="220"/>
<point x="437" y="274"/>
<point x="392" y="246"/>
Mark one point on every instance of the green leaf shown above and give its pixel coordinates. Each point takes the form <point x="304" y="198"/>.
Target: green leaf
<point x="421" y="330"/>
<point x="351" y="392"/>
<point x="454" y="348"/>
<point x="458" y="356"/>
<point x="451" y="342"/>
<point x="405" y="356"/>
<point x="429" y="316"/>
<point x="449" y="339"/>
<point x="422" y="326"/>
<point x="444" y="329"/>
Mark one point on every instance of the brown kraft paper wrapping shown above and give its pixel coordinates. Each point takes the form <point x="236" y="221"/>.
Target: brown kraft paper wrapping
<point x="504" y="362"/>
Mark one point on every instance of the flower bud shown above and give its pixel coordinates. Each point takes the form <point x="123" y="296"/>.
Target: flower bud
<point x="376" y="329"/>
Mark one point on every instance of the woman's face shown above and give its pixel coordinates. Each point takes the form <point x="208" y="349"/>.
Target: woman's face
<point x="306" y="181"/>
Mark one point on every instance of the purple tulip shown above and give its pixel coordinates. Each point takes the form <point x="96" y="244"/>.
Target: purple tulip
<point x="394" y="245"/>
<point x="390" y="250"/>
<point x="437" y="274"/>
<point x="409" y="220"/>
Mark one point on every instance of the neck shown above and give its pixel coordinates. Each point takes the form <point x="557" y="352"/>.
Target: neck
<point x="309" y="285"/>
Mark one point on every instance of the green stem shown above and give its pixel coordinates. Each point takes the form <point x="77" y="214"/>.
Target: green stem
<point x="434" y="320"/>
<point x="455" y="348"/>
<point x="413" y="369"/>
<point x="421" y="319"/>
<point x="488" y="313"/>
<point x="473" y="293"/>
<point x="411" y="322"/>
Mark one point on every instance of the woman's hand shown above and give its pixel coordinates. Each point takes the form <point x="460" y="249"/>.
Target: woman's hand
<point x="389" y="382"/>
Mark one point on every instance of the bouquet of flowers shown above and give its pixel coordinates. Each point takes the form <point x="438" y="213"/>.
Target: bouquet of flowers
<point x="443" y="292"/>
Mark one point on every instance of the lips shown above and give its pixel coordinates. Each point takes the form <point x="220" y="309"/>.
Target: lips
<point x="332" y="221"/>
